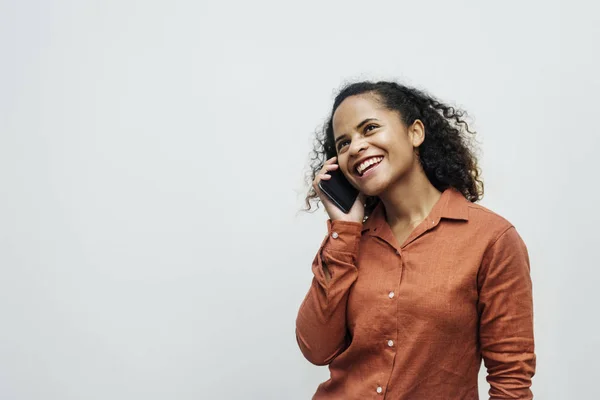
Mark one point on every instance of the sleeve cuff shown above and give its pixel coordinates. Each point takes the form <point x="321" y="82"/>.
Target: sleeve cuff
<point x="343" y="236"/>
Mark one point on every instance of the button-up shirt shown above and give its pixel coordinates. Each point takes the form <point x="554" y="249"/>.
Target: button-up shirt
<point x="412" y="321"/>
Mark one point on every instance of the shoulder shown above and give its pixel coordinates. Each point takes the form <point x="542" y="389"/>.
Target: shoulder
<point x="480" y="213"/>
<point x="488" y="223"/>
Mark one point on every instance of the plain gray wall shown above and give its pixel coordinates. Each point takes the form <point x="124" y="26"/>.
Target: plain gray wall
<point x="151" y="164"/>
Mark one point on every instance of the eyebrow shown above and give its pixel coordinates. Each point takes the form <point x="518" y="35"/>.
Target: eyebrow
<point x="357" y="128"/>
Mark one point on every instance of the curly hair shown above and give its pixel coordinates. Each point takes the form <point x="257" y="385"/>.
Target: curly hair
<point x="447" y="153"/>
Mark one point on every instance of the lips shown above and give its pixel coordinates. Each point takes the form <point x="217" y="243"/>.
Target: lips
<point x="367" y="164"/>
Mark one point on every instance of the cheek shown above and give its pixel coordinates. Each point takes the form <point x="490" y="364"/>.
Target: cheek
<point x="402" y="155"/>
<point x="342" y="161"/>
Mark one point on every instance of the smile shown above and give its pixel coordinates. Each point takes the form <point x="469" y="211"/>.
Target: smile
<point x="368" y="164"/>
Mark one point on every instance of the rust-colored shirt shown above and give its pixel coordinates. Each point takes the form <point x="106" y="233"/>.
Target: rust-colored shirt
<point x="413" y="321"/>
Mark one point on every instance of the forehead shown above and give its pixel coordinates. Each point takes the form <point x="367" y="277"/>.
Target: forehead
<point x="355" y="109"/>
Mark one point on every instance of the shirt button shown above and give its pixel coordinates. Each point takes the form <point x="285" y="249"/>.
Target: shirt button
<point x="390" y="343"/>
<point x="391" y="295"/>
<point x="335" y="235"/>
<point x="379" y="389"/>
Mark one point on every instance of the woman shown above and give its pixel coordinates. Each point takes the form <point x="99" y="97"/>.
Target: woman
<point x="417" y="283"/>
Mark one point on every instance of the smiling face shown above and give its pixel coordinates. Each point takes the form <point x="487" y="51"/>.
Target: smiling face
<point x="374" y="147"/>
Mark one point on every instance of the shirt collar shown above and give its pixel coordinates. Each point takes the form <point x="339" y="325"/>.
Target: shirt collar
<point x="451" y="205"/>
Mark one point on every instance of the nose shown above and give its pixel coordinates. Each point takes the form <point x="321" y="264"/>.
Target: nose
<point x="357" y="146"/>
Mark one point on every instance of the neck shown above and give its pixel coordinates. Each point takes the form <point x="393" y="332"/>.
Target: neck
<point x="410" y="200"/>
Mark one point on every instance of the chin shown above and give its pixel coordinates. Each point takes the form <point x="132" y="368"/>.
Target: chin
<point x="373" y="189"/>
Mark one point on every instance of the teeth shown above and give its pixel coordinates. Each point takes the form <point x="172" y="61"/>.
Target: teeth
<point x="367" y="163"/>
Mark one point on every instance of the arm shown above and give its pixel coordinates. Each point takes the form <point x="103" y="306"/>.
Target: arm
<point x="506" y="317"/>
<point x="321" y="322"/>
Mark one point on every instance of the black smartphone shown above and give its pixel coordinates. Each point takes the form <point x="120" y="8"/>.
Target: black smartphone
<point x="339" y="190"/>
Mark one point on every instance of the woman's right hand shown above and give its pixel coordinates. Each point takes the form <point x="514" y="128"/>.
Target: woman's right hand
<point x="357" y="212"/>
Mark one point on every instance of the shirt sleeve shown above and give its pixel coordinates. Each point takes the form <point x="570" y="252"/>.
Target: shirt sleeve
<point x="506" y="318"/>
<point x="321" y="322"/>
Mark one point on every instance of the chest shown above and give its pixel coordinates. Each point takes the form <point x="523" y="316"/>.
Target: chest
<point x="430" y="285"/>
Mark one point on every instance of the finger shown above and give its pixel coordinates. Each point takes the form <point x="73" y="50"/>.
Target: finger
<point x="319" y="178"/>
<point x="329" y="167"/>
<point x="332" y="160"/>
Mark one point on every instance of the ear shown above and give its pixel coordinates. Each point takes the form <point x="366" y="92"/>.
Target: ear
<point x="416" y="133"/>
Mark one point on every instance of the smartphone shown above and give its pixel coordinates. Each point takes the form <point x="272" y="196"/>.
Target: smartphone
<point x="339" y="190"/>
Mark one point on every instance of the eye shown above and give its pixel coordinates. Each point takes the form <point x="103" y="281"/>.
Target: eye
<point x="370" y="127"/>
<point x="342" y="144"/>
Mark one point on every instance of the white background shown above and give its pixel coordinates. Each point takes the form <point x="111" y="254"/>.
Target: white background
<point x="152" y="156"/>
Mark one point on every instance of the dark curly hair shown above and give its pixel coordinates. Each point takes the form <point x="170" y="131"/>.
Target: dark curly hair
<point x="447" y="153"/>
